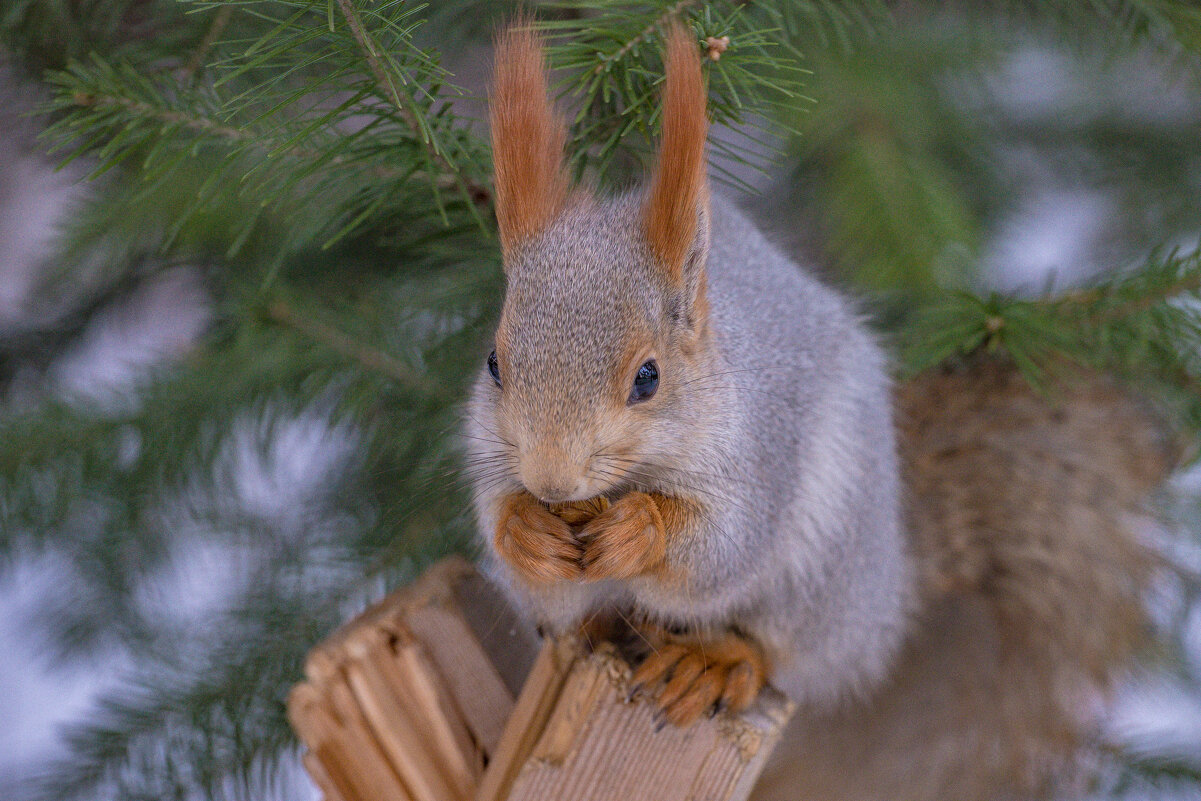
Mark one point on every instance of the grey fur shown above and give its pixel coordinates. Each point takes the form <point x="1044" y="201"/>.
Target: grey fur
<point x="780" y="428"/>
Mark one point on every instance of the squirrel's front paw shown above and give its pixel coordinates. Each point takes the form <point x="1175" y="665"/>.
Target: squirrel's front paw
<point x="536" y="543"/>
<point x="689" y="675"/>
<point x="625" y="540"/>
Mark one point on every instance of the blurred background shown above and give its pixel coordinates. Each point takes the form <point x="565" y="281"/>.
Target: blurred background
<point x="248" y="268"/>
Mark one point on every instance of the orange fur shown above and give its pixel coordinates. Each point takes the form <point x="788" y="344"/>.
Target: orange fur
<point x="627" y="539"/>
<point x="679" y="516"/>
<point x="538" y="545"/>
<point x="527" y="139"/>
<point x="592" y="539"/>
<point x="678" y="192"/>
<point x="694" y="674"/>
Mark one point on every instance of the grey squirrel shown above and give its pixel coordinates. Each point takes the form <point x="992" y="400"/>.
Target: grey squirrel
<point x="679" y="422"/>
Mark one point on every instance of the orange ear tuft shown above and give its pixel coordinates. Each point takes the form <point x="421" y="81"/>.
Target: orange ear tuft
<point x="527" y="138"/>
<point x="678" y="191"/>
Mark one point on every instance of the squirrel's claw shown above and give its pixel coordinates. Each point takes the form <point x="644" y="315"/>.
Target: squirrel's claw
<point x="686" y="672"/>
<point x="725" y="673"/>
<point x="703" y="694"/>
<point x="743" y="683"/>
<point x="656" y="666"/>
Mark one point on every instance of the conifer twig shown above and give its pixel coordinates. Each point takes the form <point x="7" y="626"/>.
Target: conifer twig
<point x="1087" y="297"/>
<point x="1188" y="283"/>
<point x="220" y="20"/>
<point x="192" y="122"/>
<point x="656" y="23"/>
<point x="383" y="80"/>
<point x="371" y="358"/>
<point x="388" y="87"/>
<point x="480" y="194"/>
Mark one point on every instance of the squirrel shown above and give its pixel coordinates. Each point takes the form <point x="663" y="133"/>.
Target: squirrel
<point x="680" y="422"/>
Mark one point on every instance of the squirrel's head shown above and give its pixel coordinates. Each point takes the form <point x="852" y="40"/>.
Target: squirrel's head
<point x="605" y="317"/>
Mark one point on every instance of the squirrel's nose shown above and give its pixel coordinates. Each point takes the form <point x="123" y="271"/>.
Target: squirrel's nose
<point x="555" y="494"/>
<point x="550" y="480"/>
<point x="552" y="490"/>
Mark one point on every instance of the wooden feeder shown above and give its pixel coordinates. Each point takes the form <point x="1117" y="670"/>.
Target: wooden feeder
<point x="439" y="692"/>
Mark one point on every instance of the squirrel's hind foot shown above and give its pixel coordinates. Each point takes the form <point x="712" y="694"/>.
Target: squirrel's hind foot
<point x="689" y="675"/>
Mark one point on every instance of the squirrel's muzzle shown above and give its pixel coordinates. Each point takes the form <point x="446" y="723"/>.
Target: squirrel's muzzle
<point x="553" y="476"/>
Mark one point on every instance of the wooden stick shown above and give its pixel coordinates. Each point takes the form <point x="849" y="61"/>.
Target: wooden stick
<point x="576" y="703"/>
<point x="316" y="770"/>
<point x="351" y="770"/>
<point x="596" y="745"/>
<point x="478" y="690"/>
<point x="398" y="734"/>
<point x="370" y="758"/>
<point x="533" y="708"/>
<point x="458" y="757"/>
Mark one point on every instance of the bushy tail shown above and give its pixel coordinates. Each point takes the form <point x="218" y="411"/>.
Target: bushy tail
<point x="1025" y="515"/>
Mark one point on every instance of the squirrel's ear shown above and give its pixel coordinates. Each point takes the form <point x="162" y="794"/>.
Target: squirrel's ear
<point x="677" y="204"/>
<point x="527" y="138"/>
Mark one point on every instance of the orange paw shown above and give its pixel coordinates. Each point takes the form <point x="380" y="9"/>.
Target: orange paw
<point x="536" y="543"/>
<point x="689" y="675"/>
<point x="625" y="540"/>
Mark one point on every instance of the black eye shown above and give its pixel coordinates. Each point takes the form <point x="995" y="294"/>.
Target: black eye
<point x="494" y="367"/>
<point x="645" y="382"/>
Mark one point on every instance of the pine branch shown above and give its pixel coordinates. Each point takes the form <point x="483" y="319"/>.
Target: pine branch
<point x="1187" y="283"/>
<point x="249" y="117"/>
<point x="49" y="33"/>
<point x="1144" y="324"/>
<point x="216" y="29"/>
<point x="1172" y="25"/>
<point x="226" y="681"/>
<point x="612" y="64"/>
<point x="403" y="102"/>
<point x="655" y="26"/>
<point x="383" y="80"/>
<point x="367" y="356"/>
<point x="142" y="111"/>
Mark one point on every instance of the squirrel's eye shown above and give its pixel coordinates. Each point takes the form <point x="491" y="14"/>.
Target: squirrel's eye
<point x="645" y="382"/>
<point x="494" y="367"/>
